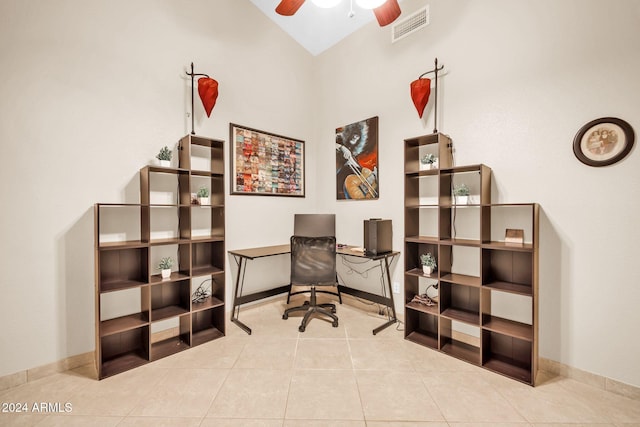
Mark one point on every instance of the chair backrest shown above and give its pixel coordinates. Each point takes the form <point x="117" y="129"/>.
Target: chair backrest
<point x="314" y="225"/>
<point x="313" y="260"/>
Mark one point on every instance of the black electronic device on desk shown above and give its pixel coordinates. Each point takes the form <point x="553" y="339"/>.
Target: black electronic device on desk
<point x="378" y="236"/>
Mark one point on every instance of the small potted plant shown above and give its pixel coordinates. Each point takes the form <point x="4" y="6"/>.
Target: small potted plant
<point x="165" y="267"/>
<point x="428" y="262"/>
<point x="428" y="161"/>
<point x="164" y="157"/>
<point x="203" y="195"/>
<point x="461" y="194"/>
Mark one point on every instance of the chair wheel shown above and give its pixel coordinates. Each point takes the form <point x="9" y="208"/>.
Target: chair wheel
<point x="305" y="303"/>
<point x="333" y="310"/>
<point x="285" y="316"/>
<point x="335" y="324"/>
<point x="301" y="328"/>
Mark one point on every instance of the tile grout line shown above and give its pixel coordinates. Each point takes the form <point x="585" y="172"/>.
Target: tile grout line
<point x="355" y="377"/>
<point x="293" y="371"/>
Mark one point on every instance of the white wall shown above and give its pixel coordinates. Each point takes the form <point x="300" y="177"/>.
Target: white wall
<point x="82" y="81"/>
<point x="90" y="91"/>
<point x="522" y="78"/>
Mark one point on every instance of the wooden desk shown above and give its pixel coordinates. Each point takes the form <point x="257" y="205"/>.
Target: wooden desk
<point x="241" y="257"/>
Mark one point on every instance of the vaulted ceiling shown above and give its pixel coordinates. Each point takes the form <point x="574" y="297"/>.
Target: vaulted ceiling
<point x="315" y="28"/>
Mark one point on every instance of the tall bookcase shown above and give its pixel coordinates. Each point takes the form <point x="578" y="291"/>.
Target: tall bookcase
<point x="485" y="290"/>
<point x="141" y="317"/>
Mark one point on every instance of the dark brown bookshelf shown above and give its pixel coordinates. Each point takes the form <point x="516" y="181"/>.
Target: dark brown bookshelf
<point x="423" y="239"/>
<point x="460" y="350"/>
<point x="175" y="276"/>
<point x="205" y="335"/>
<point x="210" y="302"/>
<point x="132" y="244"/>
<point x="168" y="347"/>
<point x="508" y="327"/>
<point x="119" y="285"/>
<point x="124" y="323"/>
<point x="460" y="242"/>
<point x="430" y="309"/>
<point x="424" y="338"/>
<point x="467" y="322"/>
<point x="510" y="287"/>
<point x="129" y="267"/>
<point x="461" y="279"/>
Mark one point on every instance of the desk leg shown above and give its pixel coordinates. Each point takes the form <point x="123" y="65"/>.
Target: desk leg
<point x="242" y="266"/>
<point x="390" y="304"/>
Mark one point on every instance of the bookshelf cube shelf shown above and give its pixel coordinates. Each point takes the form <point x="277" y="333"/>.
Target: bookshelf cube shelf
<point x="122" y="351"/>
<point x="141" y="317"/>
<point x="487" y="288"/>
<point x="170" y="340"/>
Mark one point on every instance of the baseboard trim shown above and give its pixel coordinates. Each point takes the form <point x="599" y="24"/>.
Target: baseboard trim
<point x="589" y="378"/>
<point x="22" y="377"/>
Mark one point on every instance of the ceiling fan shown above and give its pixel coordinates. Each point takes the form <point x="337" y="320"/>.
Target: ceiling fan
<point x="385" y="11"/>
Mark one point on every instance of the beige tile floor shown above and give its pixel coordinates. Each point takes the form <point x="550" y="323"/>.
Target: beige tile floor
<point x="325" y="376"/>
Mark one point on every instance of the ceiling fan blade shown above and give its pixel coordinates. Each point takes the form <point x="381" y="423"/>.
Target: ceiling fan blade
<point x="387" y="13"/>
<point x="288" y="7"/>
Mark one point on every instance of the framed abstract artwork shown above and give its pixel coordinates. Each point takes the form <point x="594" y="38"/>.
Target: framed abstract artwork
<point x="357" y="174"/>
<point x="603" y="142"/>
<point x="265" y="164"/>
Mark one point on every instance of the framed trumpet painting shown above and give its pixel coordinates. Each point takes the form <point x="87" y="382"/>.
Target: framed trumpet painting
<point x="357" y="161"/>
<point x="265" y="164"/>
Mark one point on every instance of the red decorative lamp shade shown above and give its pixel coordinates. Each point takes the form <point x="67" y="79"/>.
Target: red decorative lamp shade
<point x="387" y="13"/>
<point x="288" y="7"/>
<point x="208" y="91"/>
<point x="420" y="91"/>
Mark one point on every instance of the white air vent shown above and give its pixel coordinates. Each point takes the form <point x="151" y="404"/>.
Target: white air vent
<point x="410" y="24"/>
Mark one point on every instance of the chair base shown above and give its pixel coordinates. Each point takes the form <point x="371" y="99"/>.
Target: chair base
<point x="337" y="294"/>
<point x="311" y="307"/>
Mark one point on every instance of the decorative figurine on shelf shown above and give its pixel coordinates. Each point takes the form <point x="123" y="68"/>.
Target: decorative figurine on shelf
<point x="461" y="194"/>
<point x="164" y="157"/>
<point x="514" y="236"/>
<point x="165" y="267"/>
<point x="208" y="91"/>
<point x="428" y="262"/>
<point x="421" y="90"/>
<point x="428" y="161"/>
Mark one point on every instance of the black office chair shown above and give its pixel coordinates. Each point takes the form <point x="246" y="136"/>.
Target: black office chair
<point x="314" y="225"/>
<point x="313" y="263"/>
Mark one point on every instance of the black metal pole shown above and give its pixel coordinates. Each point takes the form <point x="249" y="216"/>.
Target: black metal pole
<point x="192" y="115"/>
<point x="193" y="74"/>
<point x="435" y="107"/>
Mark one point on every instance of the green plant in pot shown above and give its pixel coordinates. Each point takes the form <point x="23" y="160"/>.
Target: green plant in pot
<point x="461" y="194"/>
<point x="165" y="267"/>
<point x="428" y="161"/>
<point x="203" y="195"/>
<point x="428" y="262"/>
<point x="164" y="156"/>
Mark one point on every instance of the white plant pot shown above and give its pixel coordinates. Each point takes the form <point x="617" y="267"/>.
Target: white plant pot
<point x="427" y="270"/>
<point x="166" y="273"/>
<point x="462" y="200"/>
<point x="426" y="166"/>
<point x="164" y="163"/>
<point x="203" y="200"/>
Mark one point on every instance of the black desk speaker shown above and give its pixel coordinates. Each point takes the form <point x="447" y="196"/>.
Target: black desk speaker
<point x="377" y="236"/>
